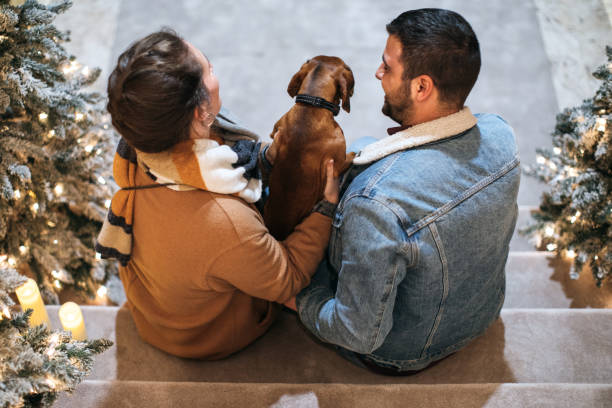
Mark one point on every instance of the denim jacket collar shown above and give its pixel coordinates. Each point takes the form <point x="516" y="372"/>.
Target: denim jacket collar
<point x="418" y="135"/>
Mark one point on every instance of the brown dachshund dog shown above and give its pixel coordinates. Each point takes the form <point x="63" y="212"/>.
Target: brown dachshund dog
<point x="307" y="137"/>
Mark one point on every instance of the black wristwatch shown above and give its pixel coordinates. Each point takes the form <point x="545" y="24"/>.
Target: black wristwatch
<point x="325" y="207"/>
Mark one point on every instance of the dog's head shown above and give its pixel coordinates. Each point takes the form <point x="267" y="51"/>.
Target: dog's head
<point x="323" y="67"/>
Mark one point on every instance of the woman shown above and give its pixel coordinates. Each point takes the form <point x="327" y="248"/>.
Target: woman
<point x="200" y="270"/>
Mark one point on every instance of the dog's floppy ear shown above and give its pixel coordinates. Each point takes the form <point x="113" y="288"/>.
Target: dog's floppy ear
<point x="296" y="81"/>
<point x="347" y="83"/>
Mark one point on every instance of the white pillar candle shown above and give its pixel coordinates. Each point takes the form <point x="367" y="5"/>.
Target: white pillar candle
<point x="29" y="298"/>
<point x="72" y="320"/>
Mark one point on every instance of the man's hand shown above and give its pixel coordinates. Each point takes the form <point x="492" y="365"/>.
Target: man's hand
<point x="291" y="304"/>
<point x="332" y="186"/>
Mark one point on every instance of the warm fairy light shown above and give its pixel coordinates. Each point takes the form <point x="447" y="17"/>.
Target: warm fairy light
<point x="35" y="207"/>
<point x="6" y="312"/>
<point x="3" y="258"/>
<point x="17" y="194"/>
<point x="55" y="241"/>
<point x="59" y="189"/>
<point x="552" y="165"/>
<point x="23" y="249"/>
<point x="56" y="274"/>
<point x="101" y="180"/>
<point x="551" y="247"/>
<point x="73" y="66"/>
<point x="102" y="291"/>
<point x="571" y="254"/>
<point x="98" y="256"/>
<point x="557" y="150"/>
<point x="89" y="148"/>
<point x="549" y="231"/>
<point x="53" y="340"/>
<point x="51" y="133"/>
<point x="12" y="261"/>
<point x="541" y="160"/>
<point x="575" y="217"/>
<point x="43" y="116"/>
<point x="51" y="224"/>
<point x="57" y="284"/>
<point x="107" y="203"/>
<point x="85" y="71"/>
<point x="51" y="382"/>
<point x="32" y="194"/>
<point x="79" y="116"/>
<point x="601" y="124"/>
<point x="105" y="126"/>
<point x="572" y="172"/>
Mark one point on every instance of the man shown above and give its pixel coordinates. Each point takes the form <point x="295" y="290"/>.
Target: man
<point x="415" y="267"/>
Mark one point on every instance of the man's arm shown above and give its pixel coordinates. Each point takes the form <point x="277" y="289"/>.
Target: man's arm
<point x="358" y="315"/>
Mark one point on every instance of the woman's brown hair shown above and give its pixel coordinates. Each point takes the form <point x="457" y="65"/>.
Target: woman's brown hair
<point x="154" y="90"/>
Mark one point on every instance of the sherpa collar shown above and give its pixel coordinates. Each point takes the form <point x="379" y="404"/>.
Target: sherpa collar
<point x="418" y="135"/>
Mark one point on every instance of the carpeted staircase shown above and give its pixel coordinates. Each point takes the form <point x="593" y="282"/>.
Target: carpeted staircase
<point x="552" y="347"/>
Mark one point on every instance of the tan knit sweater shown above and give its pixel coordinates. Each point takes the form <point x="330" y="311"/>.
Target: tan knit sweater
<point x="205" y="272"/>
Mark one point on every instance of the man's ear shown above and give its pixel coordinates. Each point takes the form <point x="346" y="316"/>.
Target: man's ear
<point x="422" y="87"/>
<point x="296" y="81"/>
<point x="346" y="82"/>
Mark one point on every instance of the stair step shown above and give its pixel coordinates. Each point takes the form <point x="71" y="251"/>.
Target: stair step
<point x="542" y="280"/>
<point x="524" y="346"/>
<point x="111" y="394"/>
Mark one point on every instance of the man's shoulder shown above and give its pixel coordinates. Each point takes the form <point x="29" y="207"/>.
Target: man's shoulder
<point x="492" y="122"/>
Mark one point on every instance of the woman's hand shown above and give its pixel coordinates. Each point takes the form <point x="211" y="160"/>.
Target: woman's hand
<point x="332" y="186"/>
<point x="273" y="148"/>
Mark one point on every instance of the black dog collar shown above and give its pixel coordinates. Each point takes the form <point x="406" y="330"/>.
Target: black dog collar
<point x="318" y="103"/>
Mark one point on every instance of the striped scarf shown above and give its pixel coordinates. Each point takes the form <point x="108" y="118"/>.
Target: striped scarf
<point x="225" y="165"/>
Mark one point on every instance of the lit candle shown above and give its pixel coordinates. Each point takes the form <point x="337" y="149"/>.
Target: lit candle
<point x="29" y="298"/>
<point x="72" y="320"/>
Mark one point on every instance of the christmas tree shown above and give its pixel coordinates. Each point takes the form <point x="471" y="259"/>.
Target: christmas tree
<point x="55" y="144"/>
<point x="575" y="216"/>
<point x="35" y="363"/>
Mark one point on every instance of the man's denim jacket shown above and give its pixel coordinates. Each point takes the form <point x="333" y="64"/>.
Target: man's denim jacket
<point x="420" y="239"/>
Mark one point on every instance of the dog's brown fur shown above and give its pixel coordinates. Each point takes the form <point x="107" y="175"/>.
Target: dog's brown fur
<point x="307" y="137"/>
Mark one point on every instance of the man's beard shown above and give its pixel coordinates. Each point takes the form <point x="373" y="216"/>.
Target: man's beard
<point x="400" y="111"/>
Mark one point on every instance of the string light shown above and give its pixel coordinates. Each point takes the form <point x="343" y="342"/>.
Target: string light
<point x="55" y="241"/>
<point x="51" y="224"/>
<point x="6" y="312"/>
<point x="98" y="256"/>
<point x="51" y="133"/>
<point x="552" y="165"/>
<point x="571" y="254"/>
<point x="12" y="261"/>
<point x="56" y="274"/>
<point x="17" y="194"/>
<point x="557" y="150"/>
<point x="551" y="247"/>
<point x="35" y="207"/>
<point x="59" y="189"/>
<point x="85" y="71"/>
<point x="23" y="249"/>
<point x="540" y="160"/>
<point x="575" y="217"/>
<point x="3" y="258"/>
<point x="101" y="180"/>
<point x="43" y="116"/>
<point x="102" y="291"/>
<point x="549" y="231"/>
<point x="601" y="124"/>
<point x="79" y="116"/>
<point x="89" y="148"/>
<point x="57" y="284"/>
<point x="107" y="203"/>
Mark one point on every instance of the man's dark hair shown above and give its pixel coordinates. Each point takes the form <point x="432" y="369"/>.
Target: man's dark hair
<point x="154" y="90"/>
<point x="441" y="44"/>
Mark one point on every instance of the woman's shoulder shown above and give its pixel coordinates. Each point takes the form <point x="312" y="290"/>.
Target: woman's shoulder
<point x="237" y="214"/>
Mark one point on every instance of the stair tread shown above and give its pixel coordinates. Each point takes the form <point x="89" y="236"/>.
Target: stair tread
<point x="99" y="394"/>
<point x="542" y="280"/>
<point x="524" y="346"/>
